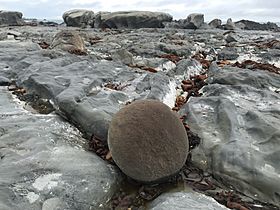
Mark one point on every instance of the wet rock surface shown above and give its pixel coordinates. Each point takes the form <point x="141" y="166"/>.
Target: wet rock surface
<point x="238" y="121"/>
<point x="185" y="200"/>
<point x="251" y="25"/>
<point x="236" y="115"/>
<point x="44" y="163"/>
<point x="79" y="18"/>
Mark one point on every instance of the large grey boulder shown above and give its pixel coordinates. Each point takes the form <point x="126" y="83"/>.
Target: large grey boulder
<point x="229" y="25"/>
<point x="70" y="41"/>
<point x="194" y="21"/>
<point x="148" y="141"/>
<point x="11" y="18"/>
<point x="252" y="25"/>
<point x="79" y="18"/>
<point x="99" y="18"/>
<point x="216" y="23"/>
<point x="44" y="164"/>
<point x="133" y="19"/>
<point x="238" y="122"/>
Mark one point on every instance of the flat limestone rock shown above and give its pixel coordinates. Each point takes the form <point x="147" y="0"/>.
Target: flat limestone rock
<point x="148" y="141"/>
<point x="215" y="23"/>
<point x="237" y="119"/>
<point x="185" y="200"/>
<point x="44" y="165"/>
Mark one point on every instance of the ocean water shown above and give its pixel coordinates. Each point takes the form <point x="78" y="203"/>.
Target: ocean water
<point x="45" y="20"/>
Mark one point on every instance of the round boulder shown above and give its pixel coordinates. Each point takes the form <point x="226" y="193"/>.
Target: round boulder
<point x="148" y="141"/>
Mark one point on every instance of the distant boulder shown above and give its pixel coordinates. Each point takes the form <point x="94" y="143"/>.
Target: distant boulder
<point x="194" y="21"/>
<point x="11" y="18"/>
<point x="79" y="18"/>
<point x="251" y="25"/>
<point x="132" y="19"/>
<point x="229" y="25"/>
<point x="99" y="18"/>
<point x="216" y="23"/>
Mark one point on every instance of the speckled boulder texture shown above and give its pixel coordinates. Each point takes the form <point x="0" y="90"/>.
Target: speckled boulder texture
<point x="68" y="40"/>
<point x="148" y="141"/>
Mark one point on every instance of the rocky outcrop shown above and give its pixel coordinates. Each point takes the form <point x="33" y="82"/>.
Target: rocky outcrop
<point x="216" y="23"/>
<point x="229" y="25"/>
<point x="238" y="121"/>
<point x="251" y="25"/>
<point x="11" y="18"/>
<point x="194" y="21"/>
<point x="147" y="141"/>
<point x="79" y="18"/>
<point x="69" y="41"/>
<point x="133" y="19"/>
<point x="237" y="115"/>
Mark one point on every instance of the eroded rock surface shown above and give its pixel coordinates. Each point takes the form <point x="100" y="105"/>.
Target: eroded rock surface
<point x="88" y="90"/>
<point x="238" y="121"/>
<point x="185" y="200"/>
<point x="44" y="163"/>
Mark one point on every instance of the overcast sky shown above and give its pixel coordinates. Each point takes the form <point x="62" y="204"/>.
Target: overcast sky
<point x="258" y="10"/>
